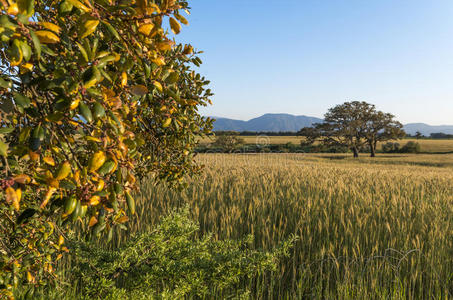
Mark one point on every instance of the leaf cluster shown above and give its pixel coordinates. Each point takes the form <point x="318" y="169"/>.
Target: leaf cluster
<point x="94" y="96"/>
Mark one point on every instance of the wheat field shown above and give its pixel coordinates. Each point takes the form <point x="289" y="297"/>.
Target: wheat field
<point x="380" y="228"/>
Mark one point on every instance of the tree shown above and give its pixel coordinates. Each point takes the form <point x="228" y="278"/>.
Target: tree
<point x="228" y="142"/>
<point x="379" y="127"/>
<point x="354" y="125"/>
<point x="95" y="95"/>
<point x="418" y="135"/>
<point x="310" y="134"/>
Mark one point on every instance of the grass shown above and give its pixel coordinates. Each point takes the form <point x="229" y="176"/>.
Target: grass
<point x="427" y="145"/>
<point x="379" y="228"/>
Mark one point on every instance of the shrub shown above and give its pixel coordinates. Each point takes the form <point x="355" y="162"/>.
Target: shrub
<point x="170" y="262"/>
<point x="410" y="147"/>
<point x="390" y="147"/>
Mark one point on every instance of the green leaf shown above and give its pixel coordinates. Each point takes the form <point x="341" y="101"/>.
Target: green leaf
<point x="112" y="30"/>
<point x="36" y="43"/>
<point x="5" y="84"/>
<point x="3" y="149"/>
<point x="21" y="100"/>
<point x="6" y="130"/>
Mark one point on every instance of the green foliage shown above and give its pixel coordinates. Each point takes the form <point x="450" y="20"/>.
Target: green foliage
<point x="94" y="96"/>
<point x="410" y="147"/>
<point x="390" y="147"/>
<point x="354" y="125"/>
<point x="170" y="262"/>
<point x="228" y="142"/>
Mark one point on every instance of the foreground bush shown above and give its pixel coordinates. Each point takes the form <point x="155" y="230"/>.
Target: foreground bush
<point x="167" y="263"/>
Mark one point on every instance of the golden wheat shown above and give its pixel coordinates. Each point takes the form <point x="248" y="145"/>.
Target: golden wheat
<point x="380" y="228"/>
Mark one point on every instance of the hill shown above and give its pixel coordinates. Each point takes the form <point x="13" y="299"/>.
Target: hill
<point x="267" y="122"/>
<point x="426" y="129"/>
<point x="288" y="122"/>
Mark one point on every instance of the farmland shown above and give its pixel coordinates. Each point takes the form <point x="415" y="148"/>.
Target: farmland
<point x="369" y="227"/>
<point x="426" y="145"/>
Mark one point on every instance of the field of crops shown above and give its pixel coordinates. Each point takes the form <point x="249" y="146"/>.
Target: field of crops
<point x="379" y="228"/>
<point x="426" y="145"/>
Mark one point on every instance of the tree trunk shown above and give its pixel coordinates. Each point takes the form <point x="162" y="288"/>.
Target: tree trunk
<point x="355" y="151"/>
<point x="373" y="149"/>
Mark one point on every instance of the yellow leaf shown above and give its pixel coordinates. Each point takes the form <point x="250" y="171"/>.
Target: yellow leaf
<point x="93" y="139"/>
<point x="28" y="67"/>
<point x="92" y="222"/>
<point x="100" y="185"/>
<point x="175" y="26"/>
<point x="146" y="28"/>
<point x="160" y="61"/>
<point x="158" y="86"/>
<point x="11" y="197"/>
<point x="182" y="19"/>
<point x="96" y="161"/>
<point x="79" y="5"/>
<point x="122" y="219"/>
<point x="51" y="26"/>
<point x="139" y="90"/>
<point x="49" y="160"/>
<point x="47" y="197"/>
<point x="95" y="200"/>
<point x="30" y="277"/>
<point x="166" y="123"/>
<point x="13" y="9"/>
<point x="123" y="79"/>
<point x="60" y="240"/>
<point x="22" y="179"/>
<point x="164" y="46"/>
<point x="63" y="171"/>
<point x="47" y="37"/>
<point x="74" y="104"/>
<point x="88" y="27"/>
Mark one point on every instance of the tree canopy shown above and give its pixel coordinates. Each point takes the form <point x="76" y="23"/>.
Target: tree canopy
<point x="354" y="124"/>
<point x="94" y="96"/>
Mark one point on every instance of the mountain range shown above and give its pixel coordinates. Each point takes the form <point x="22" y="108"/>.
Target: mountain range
<point x="288" y="122"/>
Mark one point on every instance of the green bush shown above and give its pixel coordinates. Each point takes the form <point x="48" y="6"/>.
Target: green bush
<point x="169" y="262"/>
<point x="411" y="147"/>
<point x="390" y="147"/>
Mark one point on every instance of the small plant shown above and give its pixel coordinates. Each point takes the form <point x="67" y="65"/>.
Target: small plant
<point x="171" y="262"/>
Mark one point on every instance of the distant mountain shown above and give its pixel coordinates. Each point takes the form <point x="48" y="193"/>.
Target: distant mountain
<point x="426" y="129"/>
<point x="287" y="122"/>
<point x="267" y="122"/>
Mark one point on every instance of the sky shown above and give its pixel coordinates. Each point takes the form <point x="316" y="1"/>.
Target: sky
<point x="304" y="56"/>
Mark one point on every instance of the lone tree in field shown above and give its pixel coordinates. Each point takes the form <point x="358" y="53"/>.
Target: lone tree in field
<point x="354" y="125"/>
<point x="94" y="96"/>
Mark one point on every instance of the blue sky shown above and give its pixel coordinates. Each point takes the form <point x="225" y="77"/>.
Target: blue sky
<point x="305" y="56"/>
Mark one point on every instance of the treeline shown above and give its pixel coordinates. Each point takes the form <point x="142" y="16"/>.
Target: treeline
<point x="437" y="135"/>
<point x="256" y="133"/>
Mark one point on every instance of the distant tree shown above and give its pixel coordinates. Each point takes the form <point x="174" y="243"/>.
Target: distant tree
<point x="354" y="125"/>
<point x="418" y="135"/>
<point x="228" y="142"/>
<point x="441" y="135"/>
